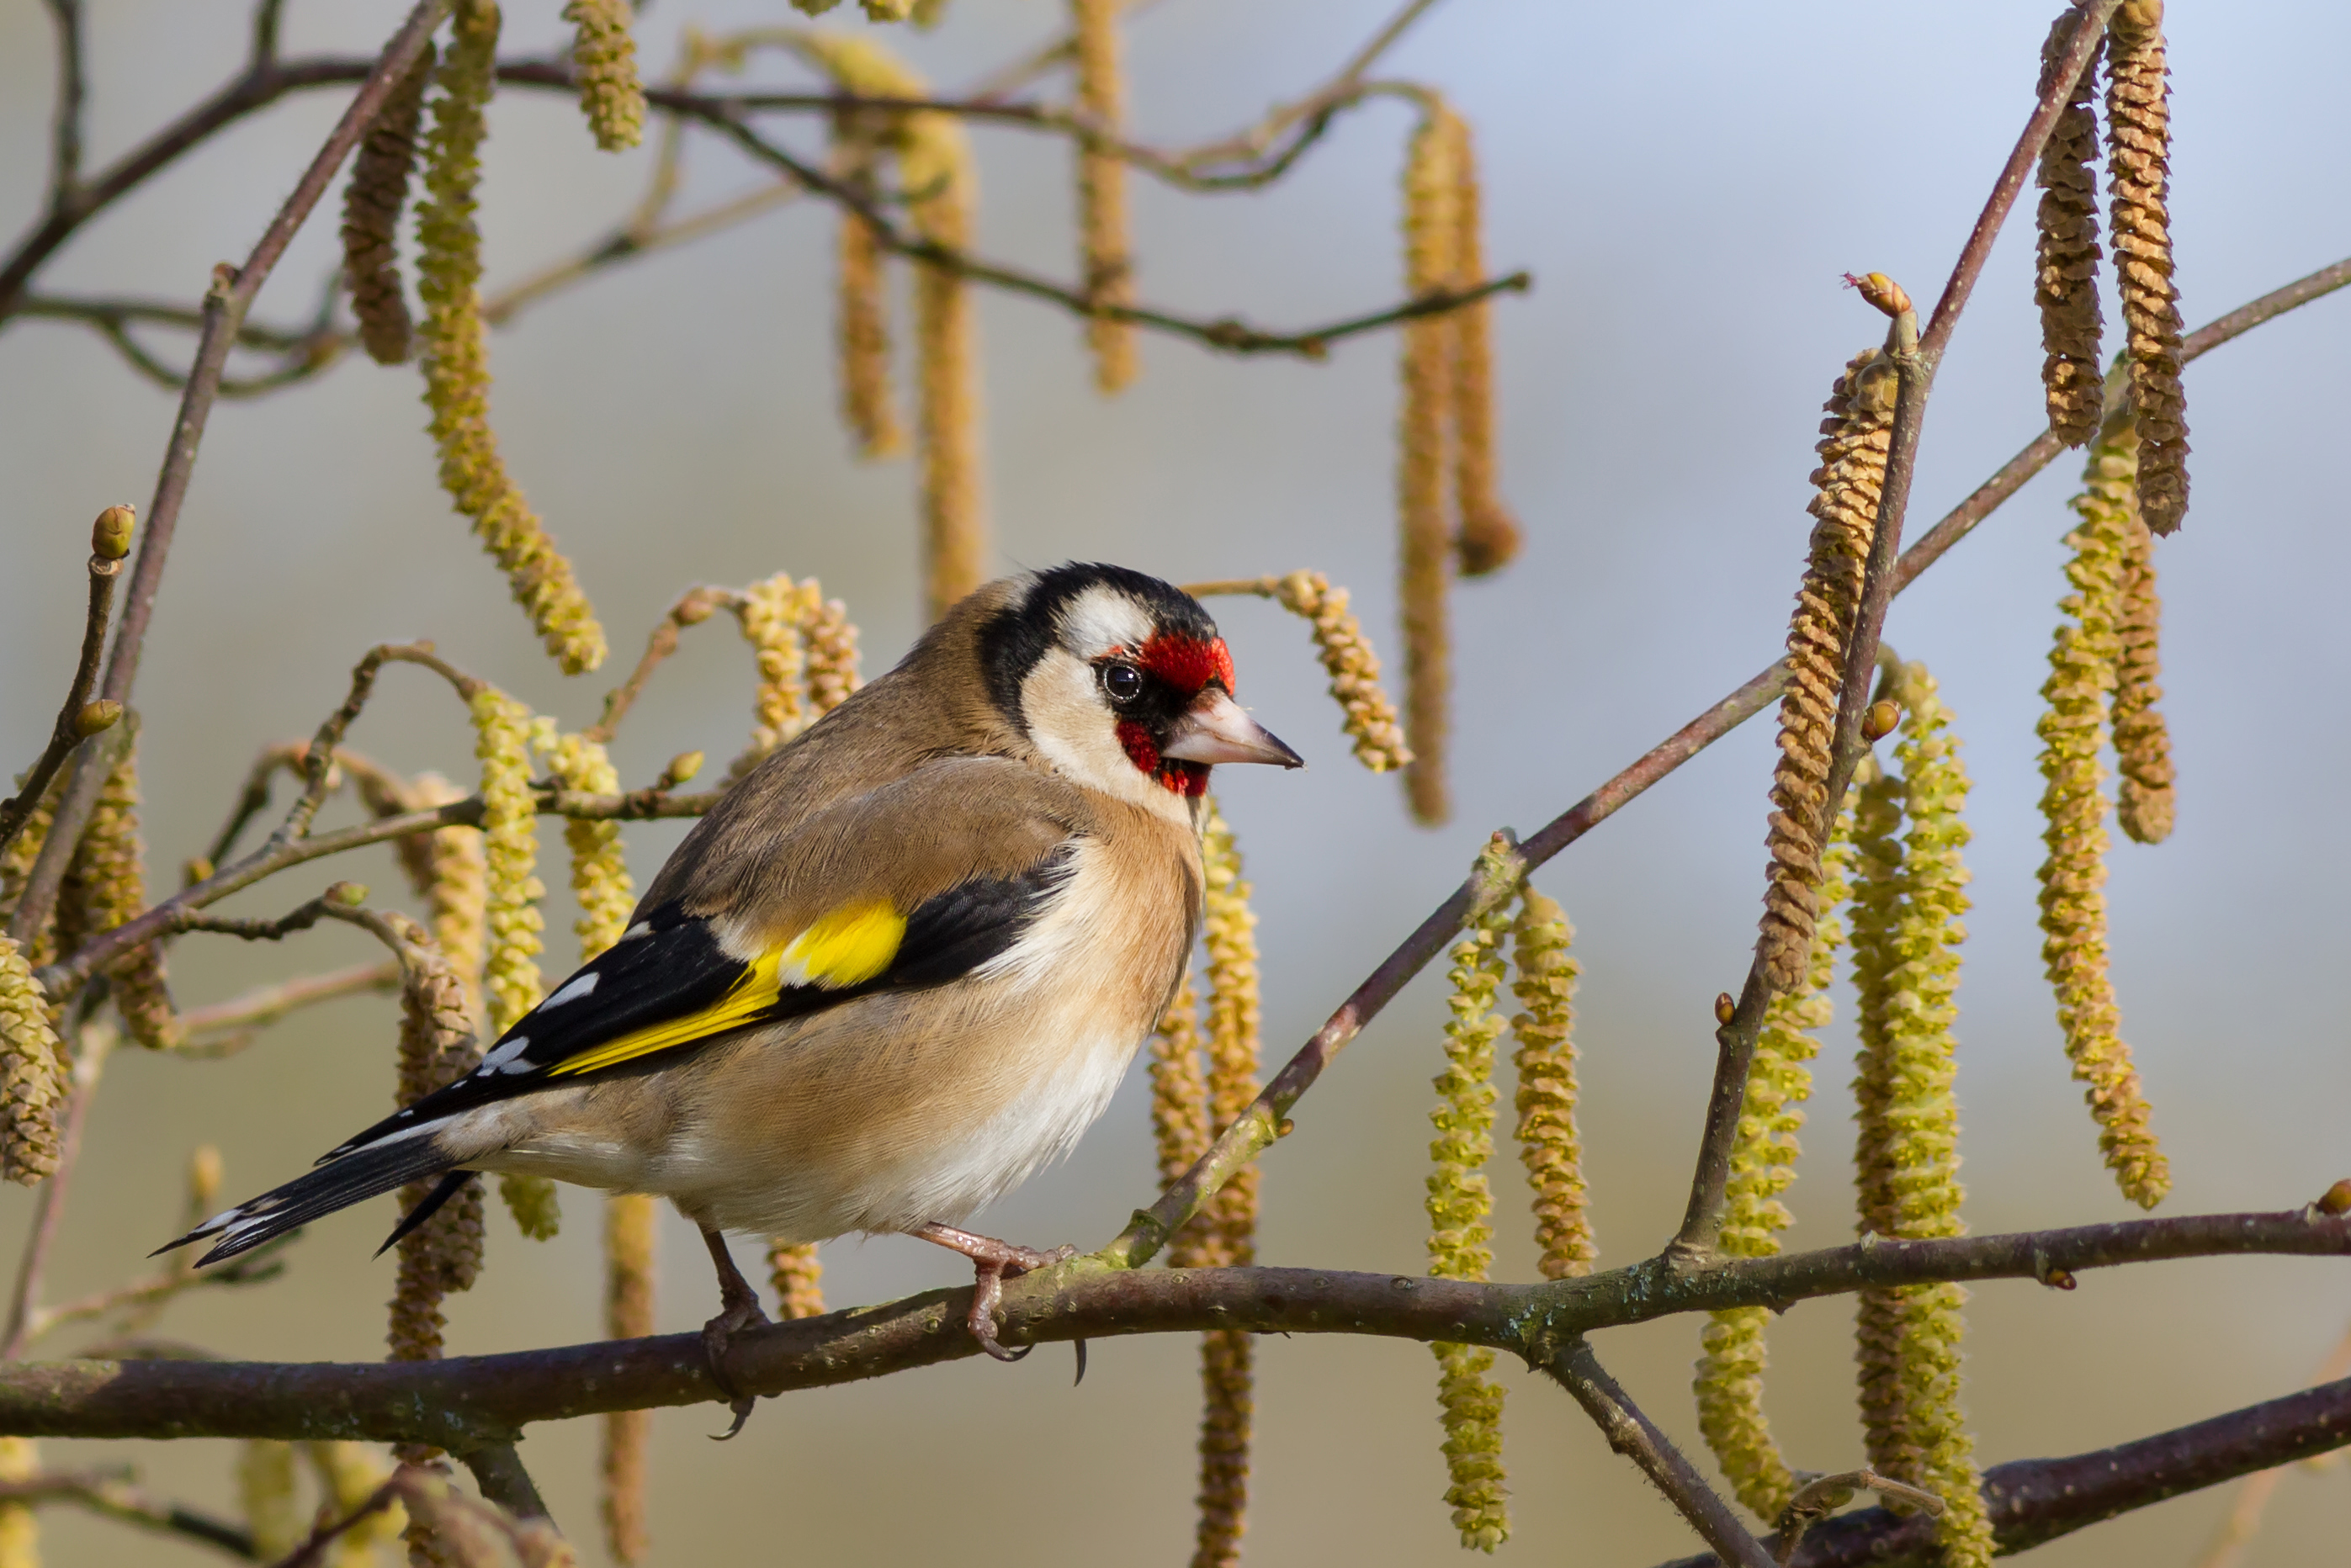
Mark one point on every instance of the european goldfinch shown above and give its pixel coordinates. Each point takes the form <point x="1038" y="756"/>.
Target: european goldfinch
<point x="896" y="970"/>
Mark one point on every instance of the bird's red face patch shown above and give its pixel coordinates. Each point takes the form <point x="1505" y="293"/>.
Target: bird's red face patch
<point x="1174" y="774"/>
<point x="1187" y="663"/>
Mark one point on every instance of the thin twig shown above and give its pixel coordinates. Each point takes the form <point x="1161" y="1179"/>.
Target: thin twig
<point x="259" y="1266"/>
<point x="1631" y="1433"/>
<point x="112" y="1495"/>
<point x="68" y="732"/>
<point x="240" y="1018"/>
<point x="65" y="136"/>
<point x="1824" y="1495"/>
<point x="498" y="1471"/>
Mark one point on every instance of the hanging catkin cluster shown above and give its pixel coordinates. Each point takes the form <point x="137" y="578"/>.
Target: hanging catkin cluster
<point x="502" y="737"/>
<point x="1549" y="1145"/>
<point x="1431" y="182"/>
<point x="105" y="886"/>
<point x="2138" y="165"/>
<point x="1909" y="900"/>
<point x="1102" y="191"/>
<point x="861" y="305"/>
<point x="449" y="870"/>
<point x="1460" y="1235"/>
<point x="604" y="60"/>
<point x="1847" y="485"/>
<point x="1353" y="666"/>
<point x="2082" y="660"/>
<point x="1729" y="1374"/>
<point x="20" y="1528"/>
<point x="457" y="358"/>
<point x="2146" y="801"/>
<point x="600" y="884"/>
<point x="265" y="1484"/>
<point x="807" y="653"/>
<point x="2065" y="282"/>
<point x="437" y="1047"/>
<point x="30" y="1063"/>
<point x="940" y="184"/>
<point x="1224" y="1234"/>
<point x="372" y="204"/>
<point x="798" y="1275"/>
<point x="349" y="1475"/>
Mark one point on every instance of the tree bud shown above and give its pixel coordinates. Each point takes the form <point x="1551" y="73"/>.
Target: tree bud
<point x="1724" y="1007"/>
<point x="1879" y="722"/>
<point x="97" y="717"/>
<point x="2336" y="1199"/>
<point x="109" y="536"/>
<point x="682" y="767"/>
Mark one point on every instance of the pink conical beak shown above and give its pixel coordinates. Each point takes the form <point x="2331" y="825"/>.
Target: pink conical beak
<point x="1214" y="730"/>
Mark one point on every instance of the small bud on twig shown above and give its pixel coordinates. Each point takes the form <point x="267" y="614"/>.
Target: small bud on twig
<point x="2336" y="1199"/>
<point x="198" y="868"/>
<point x="1879" y="722"/>
<point x="2060" y="1280"/>
<point x="1724" y="1007"/>
<point x="349" y="894"/>
<point x="109" y="536"/>
<point x="682" y="768"/>
<point x="96" y="717"/>
<point x="1881" y="291"/>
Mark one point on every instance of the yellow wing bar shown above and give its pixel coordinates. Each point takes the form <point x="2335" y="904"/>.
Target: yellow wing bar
<point x="844" y="948"/>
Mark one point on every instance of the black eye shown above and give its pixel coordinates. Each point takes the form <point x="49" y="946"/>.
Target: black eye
<point x="1122" y="681"/>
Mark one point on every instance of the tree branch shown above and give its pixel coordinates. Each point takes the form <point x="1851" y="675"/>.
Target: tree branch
<point x="65" y="138"/>
<point x="73" y="726"/>
<point x="2033" y="1501"/>
<point x="461" y="1403"/>
<point x="1631" y="1433"/>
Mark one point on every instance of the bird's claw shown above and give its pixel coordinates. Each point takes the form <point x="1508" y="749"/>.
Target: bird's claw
<point x="717" y="1336"/>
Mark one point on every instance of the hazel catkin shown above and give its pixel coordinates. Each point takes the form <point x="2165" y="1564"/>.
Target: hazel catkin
<point x="372" y="204"/>
<point x="2066" y="280"/>
<point x="2139" y="175"/>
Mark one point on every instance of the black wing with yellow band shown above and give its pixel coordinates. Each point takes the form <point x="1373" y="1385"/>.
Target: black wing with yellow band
<point x="669" y="985"/>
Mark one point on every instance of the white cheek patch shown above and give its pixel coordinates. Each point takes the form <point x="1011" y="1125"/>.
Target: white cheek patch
<point x="579" y="988"/>
<point x="505" y="1058"/>
<point x="1100" y="619"/>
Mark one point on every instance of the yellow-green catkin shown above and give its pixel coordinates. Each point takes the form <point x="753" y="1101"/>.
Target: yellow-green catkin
<point x="348" y="1474"/>
<point x="1461" y="1234"/>
<point x="2139" y="179"/>
<point x="266" y="1487"/>
<point x="2066" y="281"/>
<point x="105" y="886"/>
<point x="798" y="1275"/>
<point x="1227" y="1229"/>
<point x="1728" y="1381"/>
<point x="771" y="614"/>
<point x="372" y="204"/>
<point x="502" y="730"/>
<point x="1489" y="538"/>
<point x="20" y="1528"/>
<point x="1353" y="666"/>
<point x="30" y="1065"/>
<point x="829" y="638"/>
<point x="2147" y="801"/>
<point x="1431" y="236"/>
<point x="1102" y="192"/>
<point x="1549" y="1145"/>
<point x="1910" y="901"/>
<point x="456" y="357"/>
<point x="2081" y="664"/>
<point x="1846" y="488"/>
<point x="1180" y="1134"/>
<point x="450" y="869"/>
<point x="604" y="60"/>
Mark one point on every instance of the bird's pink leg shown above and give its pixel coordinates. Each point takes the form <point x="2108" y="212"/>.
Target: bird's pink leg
<point x="993" y="1263"/>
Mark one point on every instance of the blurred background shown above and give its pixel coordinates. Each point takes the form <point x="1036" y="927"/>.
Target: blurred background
<point x="1687" y="184"/>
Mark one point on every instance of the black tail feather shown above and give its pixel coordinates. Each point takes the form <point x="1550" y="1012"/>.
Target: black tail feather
<point x="449" y="1186"/>
<point x="358" y="1176"/>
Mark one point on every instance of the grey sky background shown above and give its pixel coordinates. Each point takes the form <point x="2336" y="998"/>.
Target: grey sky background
<point x="1687" y="184"/>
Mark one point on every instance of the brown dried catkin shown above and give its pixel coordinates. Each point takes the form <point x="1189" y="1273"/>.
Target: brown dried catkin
<point x="444" y="1255"/>
<point x="1102" y="192"/>
<point x="2139" y="163"/>
<point x="862" y="337"/>
<point x="1847" y="484"/>
<point x="1489" y="537"/>
<point x="372" y="204"/>
<point x="1431" y="233"/>
<point x="2065" y="283"/>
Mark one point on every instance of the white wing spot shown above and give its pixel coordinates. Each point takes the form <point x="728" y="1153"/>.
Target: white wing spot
<point x="573" y="992"/>
<point x="503" y="1058"/>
